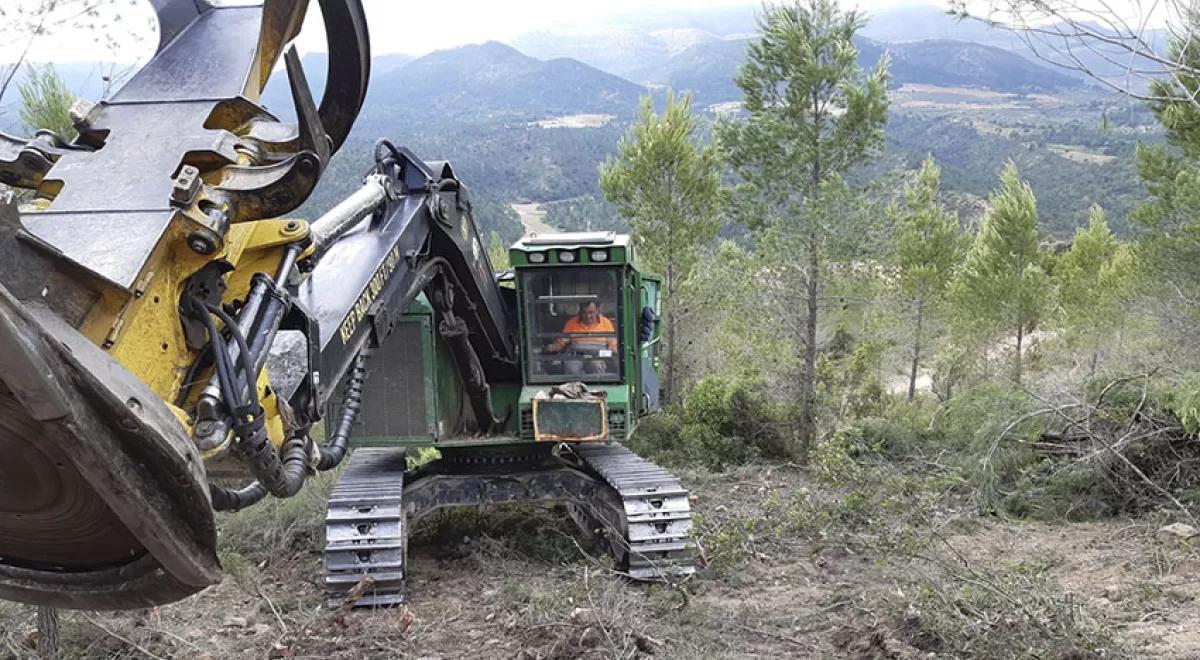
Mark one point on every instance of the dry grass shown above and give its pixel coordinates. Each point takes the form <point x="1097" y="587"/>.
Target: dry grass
<point x="792" y="567"/>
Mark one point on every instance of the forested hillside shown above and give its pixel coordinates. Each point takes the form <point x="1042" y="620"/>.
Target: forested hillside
<point x="522" y="130"/>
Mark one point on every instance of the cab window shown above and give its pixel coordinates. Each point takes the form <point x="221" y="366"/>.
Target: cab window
<point x="572" y="318"/>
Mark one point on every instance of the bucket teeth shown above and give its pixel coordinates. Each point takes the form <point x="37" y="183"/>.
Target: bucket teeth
<point x="103" y="499"/>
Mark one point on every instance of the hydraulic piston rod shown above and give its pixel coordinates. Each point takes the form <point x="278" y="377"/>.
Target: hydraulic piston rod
<point x="350" y="212"/>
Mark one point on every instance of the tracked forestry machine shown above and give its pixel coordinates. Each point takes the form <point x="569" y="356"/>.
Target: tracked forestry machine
<point x="172" y="344"/>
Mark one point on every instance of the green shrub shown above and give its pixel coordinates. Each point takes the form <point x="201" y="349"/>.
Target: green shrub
<point x="670" y="440"/>
<point x="992" y="424"/>
<point x="723" y="422"/>
<point x="835" y="457"/>
<point x="739" y="409"/>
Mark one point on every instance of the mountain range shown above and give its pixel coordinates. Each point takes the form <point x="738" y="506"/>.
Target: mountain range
<point x="490" y="81"/>
<point x="531" y="124"/>
<point x="605" y="67"/>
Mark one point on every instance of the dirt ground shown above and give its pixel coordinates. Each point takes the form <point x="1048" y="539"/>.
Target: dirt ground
<point x="1147" y="589"/>
<point x="483" y="586"/>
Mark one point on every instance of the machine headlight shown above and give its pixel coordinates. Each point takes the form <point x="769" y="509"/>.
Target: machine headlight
<point x="599" y="255"/>
<point x="537" y="257"/>
<point x="566" y="257"/>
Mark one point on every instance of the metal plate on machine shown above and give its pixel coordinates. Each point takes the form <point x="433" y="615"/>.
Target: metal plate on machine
<point x="568" y="420"/>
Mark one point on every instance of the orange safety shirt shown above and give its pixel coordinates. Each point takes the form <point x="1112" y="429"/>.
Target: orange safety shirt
<point x="575" y="326"/>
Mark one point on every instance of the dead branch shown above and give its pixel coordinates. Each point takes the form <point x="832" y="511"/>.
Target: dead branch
<point x="1085" y="36"/>
<point x="128" y="642"/>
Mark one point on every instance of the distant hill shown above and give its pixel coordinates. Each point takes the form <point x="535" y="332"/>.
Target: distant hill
<point x="929" y="22"/>
<point x="708" y="69"/>
<point x="626" y="44"/>
<point x="479" y="106"/>
<point x="923" y="23"/>
<point x="495" y="80"/>
<point x="616" y="50"/>
<point x="959" y="63"/>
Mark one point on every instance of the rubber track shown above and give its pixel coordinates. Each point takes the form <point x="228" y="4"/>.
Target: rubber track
<point x="365" y="529"/>
<point x="653" y="541"/>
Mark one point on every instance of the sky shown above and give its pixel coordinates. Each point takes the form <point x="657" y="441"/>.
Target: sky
<point x="397" y="26"/>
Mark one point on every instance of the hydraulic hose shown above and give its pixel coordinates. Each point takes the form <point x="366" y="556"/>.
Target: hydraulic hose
<point x="294" y="466"/>
<point x="225" y="499"/>
<point x="334" y="450"/>
<point x="295" y="471"/>
<point x="279" y="477"/>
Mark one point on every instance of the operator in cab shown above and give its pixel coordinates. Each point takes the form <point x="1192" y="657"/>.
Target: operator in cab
<point x="592" y="337"/>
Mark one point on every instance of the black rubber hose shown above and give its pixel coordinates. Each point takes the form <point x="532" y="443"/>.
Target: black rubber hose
<point x="295" y="472"/>
<point x="392" y="155"/>
<point x="225" y="376"/>
<point x="245" y="359"/>
<point x="225" y="499"/>
<point x="334" y="450"/>
<point x="279" y="477"/>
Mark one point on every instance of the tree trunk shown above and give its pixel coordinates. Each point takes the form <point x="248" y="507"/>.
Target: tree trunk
<point x="916" y="354"/>
<point x="47" y="639"/>
<point x="808" y="385"/>
<point x="1020" y="340"/>
<point x="669" y="304"/>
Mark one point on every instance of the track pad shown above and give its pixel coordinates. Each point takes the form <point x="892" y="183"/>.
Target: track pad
<point x="103" y="498"/>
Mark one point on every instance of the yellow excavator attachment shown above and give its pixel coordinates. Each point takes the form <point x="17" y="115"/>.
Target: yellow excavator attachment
<point x="104" y="498"/>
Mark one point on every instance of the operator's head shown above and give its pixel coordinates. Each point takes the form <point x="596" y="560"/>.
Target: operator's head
<point x="589" y="313"/>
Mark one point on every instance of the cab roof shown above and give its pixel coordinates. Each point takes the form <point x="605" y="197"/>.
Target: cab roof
<point x="572" y="239"/>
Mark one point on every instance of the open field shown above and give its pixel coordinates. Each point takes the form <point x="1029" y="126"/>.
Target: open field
<point x="533" y="218"/>
<point x="576" y="121"/>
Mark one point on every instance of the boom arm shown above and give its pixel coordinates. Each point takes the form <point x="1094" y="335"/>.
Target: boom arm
<point x="408" y="230"/>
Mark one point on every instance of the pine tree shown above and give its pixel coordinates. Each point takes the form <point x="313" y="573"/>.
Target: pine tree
<point x="1168" y="248"/>
<point x="813" y="114"/>
<point x="46" y="102"/>
<point x="1002" y="288"/>
<point x="1094" y="279"/>
<point x="928" y="248"/>
<point x="668" y="186"/>
<point x="498" y="253"/>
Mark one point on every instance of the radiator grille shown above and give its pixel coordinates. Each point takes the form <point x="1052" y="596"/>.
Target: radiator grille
<point x="394" y="403"/>
<point x="616" y="424"/>
<point x="527" y="423"/>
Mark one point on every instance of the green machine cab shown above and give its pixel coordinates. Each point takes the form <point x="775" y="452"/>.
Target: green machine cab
<point x="589" y="327"/>
<point x="587" y="315"/>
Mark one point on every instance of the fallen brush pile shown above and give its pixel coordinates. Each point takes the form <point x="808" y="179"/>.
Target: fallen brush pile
<point x="1129" y="447"/>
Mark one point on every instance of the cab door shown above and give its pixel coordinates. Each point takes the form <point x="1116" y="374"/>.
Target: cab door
<point x="649" y="341"/>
